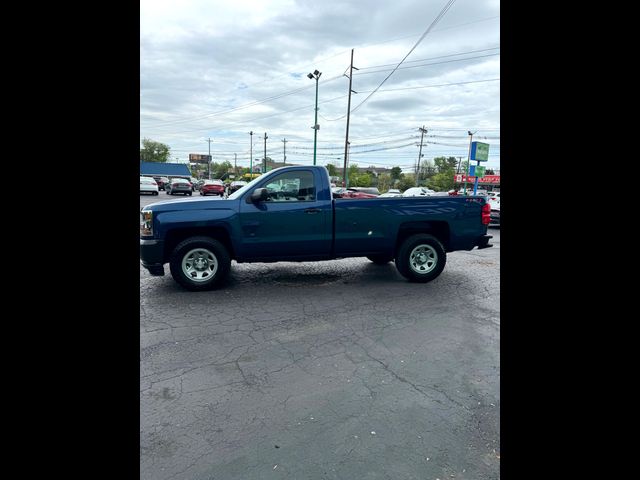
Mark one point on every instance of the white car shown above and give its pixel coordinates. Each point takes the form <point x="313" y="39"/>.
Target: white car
<point x="148" y="185"/>
<point x="493" y="199"/>
<point x="418" y="192"/>
<point x="393" y="192"/>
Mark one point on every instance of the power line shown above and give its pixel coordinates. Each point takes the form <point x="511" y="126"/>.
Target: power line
<point x="434" y="58"/>
<point x="433" y="63"/>
<point x="416" y="88"/>
<point x="435" y="21"/>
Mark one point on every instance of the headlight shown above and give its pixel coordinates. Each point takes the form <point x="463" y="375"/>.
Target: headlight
<point x="146" y="223"/>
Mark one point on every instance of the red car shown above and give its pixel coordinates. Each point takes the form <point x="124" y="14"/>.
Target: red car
<point x="212" y="187"/>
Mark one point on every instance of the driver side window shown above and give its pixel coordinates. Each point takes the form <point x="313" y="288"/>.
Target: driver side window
<point x="294" y="186"/>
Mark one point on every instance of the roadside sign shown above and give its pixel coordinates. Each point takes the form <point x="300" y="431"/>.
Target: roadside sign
<point x="197" y="158"/>
<point x="472" y="170"/>
<point x="479" y="171"/>
<point x="479" y="151"/>
<point x="459" y="178"/>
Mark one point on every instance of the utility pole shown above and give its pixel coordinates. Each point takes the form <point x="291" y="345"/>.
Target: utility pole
<point x="251" y="157"/>
<point x="284" y="159"/>
<point x="209" y="161"/>
<point x="235" y="163"/>
<point x="264" y="170"/>
<point x="420" y="154"/>
<point x="459" y="163"/>
<point x="345" y="181"/>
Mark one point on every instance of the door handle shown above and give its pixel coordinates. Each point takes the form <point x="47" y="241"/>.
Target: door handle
<point x="312" y="210"/>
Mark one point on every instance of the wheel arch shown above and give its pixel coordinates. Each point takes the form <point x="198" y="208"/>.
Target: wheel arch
<point x="175" y="236"/>
<point x="438" y="229"/>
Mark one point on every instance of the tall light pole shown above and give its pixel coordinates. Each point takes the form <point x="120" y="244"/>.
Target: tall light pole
<point x="316" y="74"/>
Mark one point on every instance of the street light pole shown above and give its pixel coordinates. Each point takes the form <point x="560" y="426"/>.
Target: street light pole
<point x="316" y="74"/>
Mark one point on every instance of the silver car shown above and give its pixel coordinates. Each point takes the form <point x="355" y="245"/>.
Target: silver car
<point x="178" y="185"/>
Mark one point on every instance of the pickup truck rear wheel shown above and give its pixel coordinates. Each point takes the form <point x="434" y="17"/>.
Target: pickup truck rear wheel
<point x="380" y="259"/>
<point x="200" y="263"/>
<point x="421" y="258"/>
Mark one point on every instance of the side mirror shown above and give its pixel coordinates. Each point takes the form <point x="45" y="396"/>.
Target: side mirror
<point x="259" y="195"/>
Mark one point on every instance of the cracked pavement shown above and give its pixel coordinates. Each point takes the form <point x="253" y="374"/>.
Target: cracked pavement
<point x="326" y="370"/>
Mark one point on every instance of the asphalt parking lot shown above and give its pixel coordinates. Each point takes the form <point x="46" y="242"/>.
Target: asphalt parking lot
<point x="328" y="370"/>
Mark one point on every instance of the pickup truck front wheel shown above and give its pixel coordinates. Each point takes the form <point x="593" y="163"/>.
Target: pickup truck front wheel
<point x="200" y="263"/>
<point x="421" y="258"/>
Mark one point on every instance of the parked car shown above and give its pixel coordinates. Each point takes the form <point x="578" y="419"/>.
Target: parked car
<point x="199" y="239"/>
<point x="148" y="185"/>
<point x="351" y="193"/>
<point x="493" y="199"/>
<point x="178" y="185"/>
<point x="392" y="193"/>
<point x="418" y="192"/>
<point x="212" y="187"/>
<point x="161" y="181"/>
<point x="198" y="184"/>
<point x="236" y="185"/>
<point x="370" y="190"/>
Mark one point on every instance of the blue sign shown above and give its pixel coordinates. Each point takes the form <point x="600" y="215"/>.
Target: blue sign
<point x="472" y="170"/>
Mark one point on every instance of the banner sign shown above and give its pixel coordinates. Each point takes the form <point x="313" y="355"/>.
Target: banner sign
<point x="487" y="179"/>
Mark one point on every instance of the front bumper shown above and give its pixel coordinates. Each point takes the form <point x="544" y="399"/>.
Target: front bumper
<point x="151" y="256"/>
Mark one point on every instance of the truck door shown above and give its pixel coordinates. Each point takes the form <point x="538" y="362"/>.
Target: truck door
<point x="293" y="222"/>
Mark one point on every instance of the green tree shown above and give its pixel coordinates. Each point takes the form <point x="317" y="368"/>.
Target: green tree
<point x="427" y="170"/>
<point x="444" y="181"/>
<point x="445" y="163"/>
<point x="219" y="169"/>
<point x="408" y="180"/>
<point x="333" y="171"/>
<point x="361" y="180"/>
<point x="446" y="168"/>
<point x="154" y="151"/>
<point x="384" y="182"/>
<point x="396" y="173"/>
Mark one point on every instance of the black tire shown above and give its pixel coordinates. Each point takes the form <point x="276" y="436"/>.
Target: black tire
<point x="155" y="193"/>
<point x="189" y="193"/>
<point x="216" y="248"/>
<point x="435" y="256"/>
<point x="380" y="259"/>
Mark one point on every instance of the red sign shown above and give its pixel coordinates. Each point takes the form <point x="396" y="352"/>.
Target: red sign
<point x="487" y="179"/>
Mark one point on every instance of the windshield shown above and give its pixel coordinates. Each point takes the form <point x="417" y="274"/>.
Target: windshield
<point x="247" y="187"/>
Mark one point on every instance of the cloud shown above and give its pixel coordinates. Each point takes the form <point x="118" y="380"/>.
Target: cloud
<point x="220" y="69"/>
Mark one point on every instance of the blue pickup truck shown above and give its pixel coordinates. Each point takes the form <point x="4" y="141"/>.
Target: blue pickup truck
<point x="289" y="214"/>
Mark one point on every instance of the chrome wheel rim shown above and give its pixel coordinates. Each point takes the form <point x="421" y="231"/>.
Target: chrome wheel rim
<point x="423" y="259"/>
<point x="199" y="265"/>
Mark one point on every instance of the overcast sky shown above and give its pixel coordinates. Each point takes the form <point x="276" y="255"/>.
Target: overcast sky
<point x="219" y="69"/>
